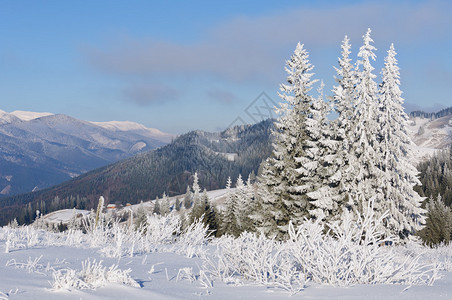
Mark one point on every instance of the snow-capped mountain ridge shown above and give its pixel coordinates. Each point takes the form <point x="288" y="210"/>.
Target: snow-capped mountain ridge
<point x="125" y="126"/>
<point x="135" y="127"/>
<point x="38" y="150"/>
<point x="29" y="115"/>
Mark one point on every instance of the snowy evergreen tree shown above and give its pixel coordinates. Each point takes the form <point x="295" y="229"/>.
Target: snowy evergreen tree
<point x="178" y="204"/>
<point x="196" y="189"/>
<point x="318" y="165"/>
<point x="198" y="206"/>
<point x="165" y="206"/>
<point x="242" y="202"/>
<point x="249" y="207"/>
<point x="364" y="143"/>
<point x="438" y="226"/>
<point x="282" y="194"/>
<point x="228" y="216"/>
<point x="140" y="216"/>
<point x="209" y="213"/>
<point x="156" y="206"/>
<point x="343" y="160"/>
<point x="399" y="174"/>
<point x="187" y="198"/>
<point x="244" y="194"/>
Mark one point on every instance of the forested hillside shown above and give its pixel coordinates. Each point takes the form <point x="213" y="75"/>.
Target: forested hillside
<point x="433" y="115"/>
<point x="169" y="169"/>
<point x="436" y="177"/>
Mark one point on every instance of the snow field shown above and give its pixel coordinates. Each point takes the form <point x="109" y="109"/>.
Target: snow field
<point x="158" y="259"/>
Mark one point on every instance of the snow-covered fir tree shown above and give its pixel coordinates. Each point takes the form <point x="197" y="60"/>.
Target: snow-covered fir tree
<point x="438" y="226"/>
<point x="156" y="209"/>
<point x="178" y="204"/>
<point x="140" y="216"/>
<point x="165" y="206"/>
<point x="249" y="206"/>
<point x="187" y="198"/>
<point x="198" y="206"/>
<point x="244" y="194"/>
<point x="343" y="160"/>
<point x="209" y="213"/>
<point x="282" y="193"/>
<point x="228" y="217"/>
<point x="196" y="188"/>
<point x="319" y="165"/>
<point x="399" y="174"/>
<point x="364" y="143"/>
<point x="241" y="196"/>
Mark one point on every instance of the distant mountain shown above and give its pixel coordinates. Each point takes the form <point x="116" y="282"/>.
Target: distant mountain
<point x="38" y="150"/>
<point x="433" y="115"/>
<point x="215" y="156"/>
<point x="430" y="132"/>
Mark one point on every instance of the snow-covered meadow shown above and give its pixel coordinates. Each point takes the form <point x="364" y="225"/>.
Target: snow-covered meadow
<point x="161" y="261"/>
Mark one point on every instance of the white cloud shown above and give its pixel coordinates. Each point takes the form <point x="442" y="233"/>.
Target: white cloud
<point x="145" y="95"/>
<point x="254" y="48"/>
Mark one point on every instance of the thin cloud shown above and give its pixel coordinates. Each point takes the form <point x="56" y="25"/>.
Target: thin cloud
<point x="221" y="96"/>
<point x="254" y="48"/>
<point x="147" y="95"/>
<point x="410" y="107"/>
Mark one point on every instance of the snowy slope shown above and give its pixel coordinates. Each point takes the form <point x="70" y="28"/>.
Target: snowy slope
<point x="429" y="135"/>
<point x="32" y="262"/>
<point x="128" y="126"/>
<point x="29" y="115"/>
<point x="64" y="215"/>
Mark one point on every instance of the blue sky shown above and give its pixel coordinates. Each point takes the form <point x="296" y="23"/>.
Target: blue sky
<point x="184" y="65"/>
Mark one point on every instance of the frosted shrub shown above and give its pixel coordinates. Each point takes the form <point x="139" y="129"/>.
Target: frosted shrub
<point x="22" y="237"/>
<point x="157" y="231"/>
<point x="440" y="255"/>
<point x="352" y="254"/>
<point x="255" y="259"/>
<point x="192" y="240"/>
<point x="121" y="241"/>
<point x="31" y="266"/>
<point x="154" y="235"/>
<point x="91" y="276"/>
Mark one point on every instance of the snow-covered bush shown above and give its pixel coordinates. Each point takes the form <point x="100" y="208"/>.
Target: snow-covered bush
<point x="193" y="239"/>
<point x="22" y="237"/>
<point x="352" y="252"/>
<point x="92" y="275"/>
<point x="256" y="259"/>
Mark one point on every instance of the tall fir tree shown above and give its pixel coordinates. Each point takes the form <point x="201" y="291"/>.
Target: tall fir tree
<point x="249" y="206"/>
<point x="198" y="206"/>
<point x="400" y="175"/>
<point x="156" y="210"/>
<point x="343" y="161"/>
<point x="240" y="195"/>
<point x="187" y="198"/>
<point x="228" y="216"/>
<point x="364" y="142"/>
<point x="282" y="193"/>
<point x="209" y="213"/>
<point x="438" y="227"/>
<point x="178" y="204"/>
<point x="319" y="163"/>
<point x="165" y="206"/>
